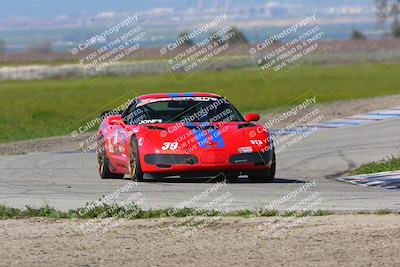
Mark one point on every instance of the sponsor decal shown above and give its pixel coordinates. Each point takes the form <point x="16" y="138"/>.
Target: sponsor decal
<point x="246" y="149"/>
<point x="151" y="121"/>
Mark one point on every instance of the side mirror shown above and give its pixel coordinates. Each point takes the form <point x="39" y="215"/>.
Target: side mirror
<point x="116" y="121"/>
<point x="252" y="117"/>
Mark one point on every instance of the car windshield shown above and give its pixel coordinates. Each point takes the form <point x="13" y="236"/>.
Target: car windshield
<point x="185" y="110"/>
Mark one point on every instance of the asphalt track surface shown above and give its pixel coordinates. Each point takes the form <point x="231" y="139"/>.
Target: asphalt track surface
<point x="69" y="179"/>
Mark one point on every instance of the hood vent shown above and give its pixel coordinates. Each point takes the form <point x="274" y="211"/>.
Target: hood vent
<point x="245" y="125"/>
<point x="154" y="127"/>
<point x="202" y="127"/>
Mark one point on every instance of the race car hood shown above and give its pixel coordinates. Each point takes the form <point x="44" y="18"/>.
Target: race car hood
<point x="196" y="137"/>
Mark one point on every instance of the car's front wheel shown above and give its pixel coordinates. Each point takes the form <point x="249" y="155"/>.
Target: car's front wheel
<point x="135" y="171"/>
<point x="264" y="175"/>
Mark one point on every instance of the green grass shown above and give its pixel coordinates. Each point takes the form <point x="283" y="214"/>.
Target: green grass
<point x="363" y="212"/>
<point x="64" y="61"/>
<point x="135" y="212"/>
<point x="379" y="212"/>
<point x="33" y="109"/>
<point x="383" y="212"/>
<point x="390" y="164"/>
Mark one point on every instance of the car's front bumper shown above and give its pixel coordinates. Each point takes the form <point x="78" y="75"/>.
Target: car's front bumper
<point x="176" y="163"/>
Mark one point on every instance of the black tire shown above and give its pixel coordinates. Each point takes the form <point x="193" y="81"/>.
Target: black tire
<point x="135" y="170"/>
<point x="104" y="165"/>
<point x="264" y="175"/>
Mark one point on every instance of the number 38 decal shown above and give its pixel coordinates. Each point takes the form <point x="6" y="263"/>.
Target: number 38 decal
<point x="169" y="145"/>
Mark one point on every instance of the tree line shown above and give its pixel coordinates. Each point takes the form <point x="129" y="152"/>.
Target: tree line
<point x="387" y="14"/>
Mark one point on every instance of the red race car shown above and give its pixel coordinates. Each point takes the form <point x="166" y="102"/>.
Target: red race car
<point x="186" y="135"/>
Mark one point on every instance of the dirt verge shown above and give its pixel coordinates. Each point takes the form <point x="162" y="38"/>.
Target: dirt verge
<point x="336" y="240"/>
